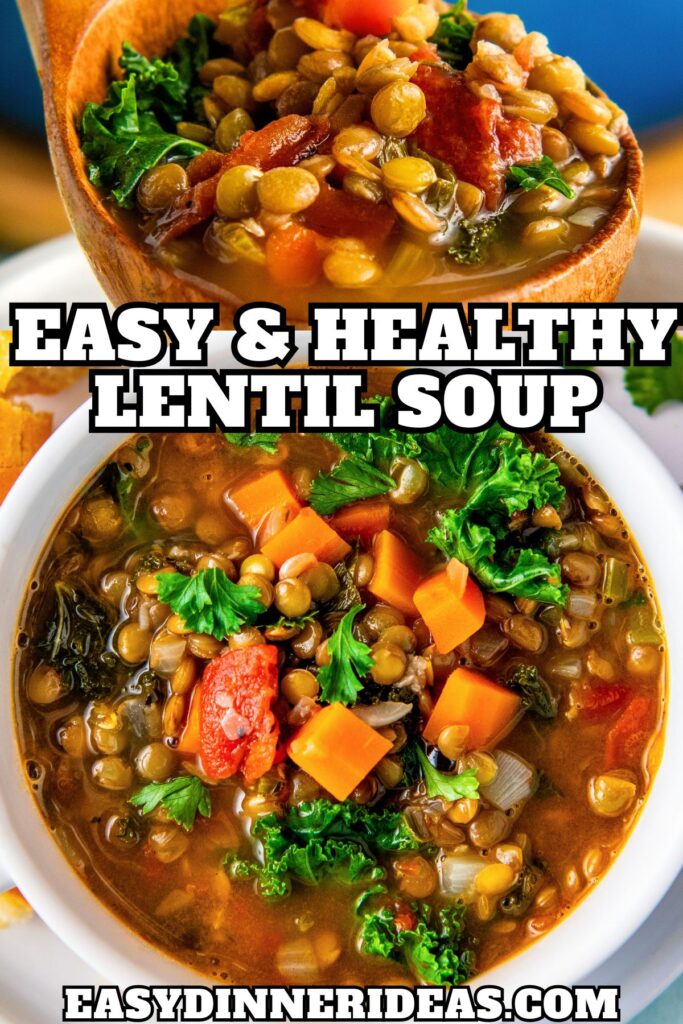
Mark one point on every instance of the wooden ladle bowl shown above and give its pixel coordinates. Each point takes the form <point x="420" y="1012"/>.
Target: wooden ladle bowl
<point x="76" y="52"/>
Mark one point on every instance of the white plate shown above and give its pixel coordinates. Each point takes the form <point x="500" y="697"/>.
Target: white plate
<point x="34" y="964"/>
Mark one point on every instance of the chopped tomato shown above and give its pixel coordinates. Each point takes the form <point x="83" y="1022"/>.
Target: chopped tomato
<point x="282" y="143"/>
<point x="259" y="29"/>
<point x="365" y="19"/>
<point x="629" y="734"/>
<point x="339" y="214"/>
<point x="294" y="256"/>
<point x="405" y="919"/>
<point x="598" y="702"/>
<point x="472" y="135"/>
<point x="238" y="730"/>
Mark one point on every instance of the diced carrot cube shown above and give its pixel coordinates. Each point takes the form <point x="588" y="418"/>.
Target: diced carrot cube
<point x="259" y="496"/>
<point x="397" y="573"/>
<point x="362" y="520"/>
<point x="337" y="749"/>
<point x="470" y="698"/>
<point x="451" y="619"/>
<point x="188" y="743"/>
<point x="307" y="532"/>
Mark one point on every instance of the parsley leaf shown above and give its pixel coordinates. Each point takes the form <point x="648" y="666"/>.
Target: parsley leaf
<point x="350" y="480"/>
<point x="464" y="786"/>
<point x="454" y="34"/>
<point x="432" y="948"/>
<point x="320" y="840"/>
<point x="652" y="386"/>
<point x="182" y="798"/>
<point x="543" y="172"/>
<point x="268" y="442"/>
<point x="350" y="660"/>
<point x="209" y="602"/>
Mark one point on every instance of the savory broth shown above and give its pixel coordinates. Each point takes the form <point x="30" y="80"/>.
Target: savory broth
<point x="92" y="737"/>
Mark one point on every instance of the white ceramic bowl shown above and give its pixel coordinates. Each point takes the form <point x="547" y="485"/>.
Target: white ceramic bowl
<point x="650" y="861"/>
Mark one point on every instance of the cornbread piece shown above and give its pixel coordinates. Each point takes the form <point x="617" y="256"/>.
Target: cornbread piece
<point x="22" y="432"/>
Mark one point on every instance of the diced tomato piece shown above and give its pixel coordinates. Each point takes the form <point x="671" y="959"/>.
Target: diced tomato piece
<point x="628" y="736"/>
<point x="339" y="214"/>
<point x="365" y="19"/>
<point x="259" y="29"/>
<point x="472" y="135"/>
<point x="238" y="730"/>
<point x="598" y="702"/>
<point x="294" y="256"/>
<point x="282" y="143"/>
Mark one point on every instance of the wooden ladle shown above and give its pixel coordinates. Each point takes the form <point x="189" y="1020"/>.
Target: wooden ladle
<point x="76" y="49"/>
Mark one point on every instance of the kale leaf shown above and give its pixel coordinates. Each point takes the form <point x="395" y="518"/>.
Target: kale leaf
<point x="75" y="642"/>
<point x="537" y="696"/>
<point x="134" y="129"/>
<point x="209" y="602"/>
<point x="433" y="949"/>
<point x="351" y="480"/>
<point x="320" y="840"/>
<point x="350" y="660"/>
<point x="533" y="175"/>
<point x="475" y="240"/>
<point x="182" y="798"/>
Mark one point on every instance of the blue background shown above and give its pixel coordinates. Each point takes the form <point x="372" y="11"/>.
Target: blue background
<point x="631" y="49"/>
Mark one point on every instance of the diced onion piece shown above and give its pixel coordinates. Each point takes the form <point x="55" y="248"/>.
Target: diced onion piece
<point x="297" y="961"/>
<point x="457" y="872"/>
<point x="588" y="217"/>
<point x="514" y="784"/>
<point x="582" y="604"/>
<point x="385" y="713"/>
<point x="166" y="652"/>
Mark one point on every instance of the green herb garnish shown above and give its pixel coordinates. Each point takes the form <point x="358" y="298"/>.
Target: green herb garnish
<point x="652" y="386"/>
<point x="433" y="948"/>
<point x="268" y="442"/>
<point x="209" y="602"/>
<point x="543" y="172"/>
<point x="182" y="799"/>
<point x="320" y="840"/>
<point x="350" y="660"/>
<point x="464" y="786"/>
<point x="454" y="35"/>
<point x="350" y="480"/>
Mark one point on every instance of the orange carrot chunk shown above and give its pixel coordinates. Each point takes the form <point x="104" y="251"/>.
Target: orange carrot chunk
<point x="397" y="573"/>
<point x="451" y="618"/>
<point x="307" y="532"/>
<point x="469" y="698"/>
<point x="188" y="743"/>
<point x="256" y="499"/>
<point x="337" y="749"/>
<point x="363" y="519"/>
<point x="294" y="256"/>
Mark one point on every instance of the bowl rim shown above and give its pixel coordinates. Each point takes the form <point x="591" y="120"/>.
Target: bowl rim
<point x="595" y="928"/>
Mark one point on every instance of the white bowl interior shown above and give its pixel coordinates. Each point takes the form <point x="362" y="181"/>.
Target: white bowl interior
<point x="648" y="864"/>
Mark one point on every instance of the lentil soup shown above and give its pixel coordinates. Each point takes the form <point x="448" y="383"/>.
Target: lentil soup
<point x="318" y="709"/>
<point x="303" y="149"/>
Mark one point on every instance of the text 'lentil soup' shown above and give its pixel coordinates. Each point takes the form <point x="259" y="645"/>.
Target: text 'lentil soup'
<point x="299" y="149"/>
<point x="349" y="709"/>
